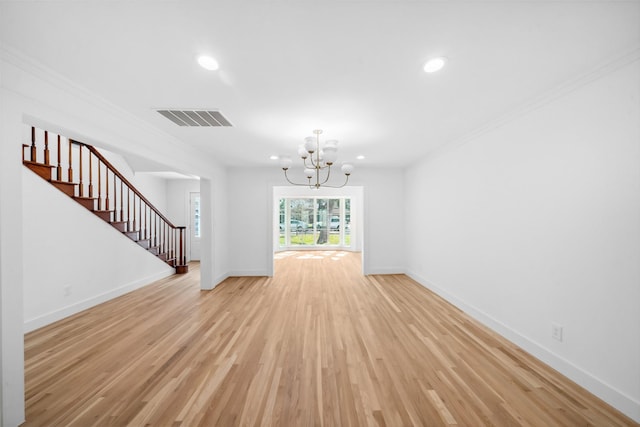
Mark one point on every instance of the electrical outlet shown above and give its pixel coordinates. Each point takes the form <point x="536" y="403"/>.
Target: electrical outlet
<point x="67" y="290"/>
<point x="556" y="331"/>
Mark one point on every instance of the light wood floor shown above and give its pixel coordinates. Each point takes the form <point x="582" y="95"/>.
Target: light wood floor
<point x="317" y="344"/>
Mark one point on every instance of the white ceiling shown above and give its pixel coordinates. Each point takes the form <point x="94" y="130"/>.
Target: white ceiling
<point x="352" y="68"/>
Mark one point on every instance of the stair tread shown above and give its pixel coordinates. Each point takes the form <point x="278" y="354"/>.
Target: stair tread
<point x="30" y="162"/>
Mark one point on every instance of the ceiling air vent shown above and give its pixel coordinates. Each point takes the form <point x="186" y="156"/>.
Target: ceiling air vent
<point x="195" y="118"/>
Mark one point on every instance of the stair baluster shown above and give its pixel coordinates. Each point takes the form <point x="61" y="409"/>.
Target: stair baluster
<point x="115" y="198"/>
<point x="70" y="169"/>
<point x="90" y="176"/>
<point x="146" y="236"/>
<point x="135" y="227"/>
<point x="46" y="148"/>
<point x="106" y="190"/>
<point x="34" y="150"/>
<point x="121" y="200"/>
<point x="81" y="186"/>
<point x="99" y="186"/>
<point x="59" y="168"/>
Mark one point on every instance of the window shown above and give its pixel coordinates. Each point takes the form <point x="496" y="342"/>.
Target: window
<point x="196" y="216"/>
<point x="314" y="222"/>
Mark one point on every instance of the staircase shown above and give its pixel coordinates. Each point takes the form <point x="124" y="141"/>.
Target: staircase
<point x="102" y="189"/>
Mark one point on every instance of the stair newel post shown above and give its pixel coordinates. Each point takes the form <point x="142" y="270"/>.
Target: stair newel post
<point x="34" y="150"/>
<point x="182" y="266"/>
<point x="70" y="169"/>
<point x="80" y="185"/>
<point x="183" y="259"/>
<point x="46" y="148"/>
<point x="90" y="175"/>
<point x="59" y="168"/>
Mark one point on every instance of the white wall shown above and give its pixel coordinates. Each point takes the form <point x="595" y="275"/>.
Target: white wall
<point x="215" y="263"/>
<point x="154" y="188"/>
<point x="32" y="95"/>
<point x="73" y="259"/>
<point x="384" y="243"/>
<point x="538" y="222"/>
<point x="12" y="343"/>
<point x="250" y="195"/>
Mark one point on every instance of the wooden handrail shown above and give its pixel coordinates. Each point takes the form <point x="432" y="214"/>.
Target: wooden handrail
<point x="123" y="179"/>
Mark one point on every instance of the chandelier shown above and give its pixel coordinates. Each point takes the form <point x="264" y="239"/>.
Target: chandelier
<point x="319" y="163"/>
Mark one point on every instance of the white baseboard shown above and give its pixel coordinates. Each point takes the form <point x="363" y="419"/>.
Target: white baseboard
<point x="619" y="400"/>
<point x="224" y="277"/>
<point x="250" y="273"/>
<point x="54" y="316"/>
<point x="219" y="280"/>
<point x="385" y="271"/>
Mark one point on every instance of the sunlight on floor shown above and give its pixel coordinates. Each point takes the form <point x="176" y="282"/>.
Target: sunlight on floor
<point x="333" y="255"/>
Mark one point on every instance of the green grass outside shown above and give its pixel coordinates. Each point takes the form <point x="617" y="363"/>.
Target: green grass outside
<point x="310" y="238"/>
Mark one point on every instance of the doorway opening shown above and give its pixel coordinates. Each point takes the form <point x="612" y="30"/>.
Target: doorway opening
<point x="325" y="219"/>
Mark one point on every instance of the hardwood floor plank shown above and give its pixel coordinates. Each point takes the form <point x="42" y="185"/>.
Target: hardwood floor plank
<point x="317" y="344"/>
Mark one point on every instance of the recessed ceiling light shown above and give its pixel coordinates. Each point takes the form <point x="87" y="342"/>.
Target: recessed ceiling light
<point x="434" y="64"/>
<point x="274" y="157"/>
<point x="208" y="63"/>
<point x="360" y="157"/>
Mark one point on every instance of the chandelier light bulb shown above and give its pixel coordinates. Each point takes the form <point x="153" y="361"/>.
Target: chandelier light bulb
<point x="329" y="156"/>
<point x="309" y="172"/>
<point x="347" y="168"/>
<point x="302" y="152"/>
<point x="310" y="144"/>
<point x="285" y="163"/>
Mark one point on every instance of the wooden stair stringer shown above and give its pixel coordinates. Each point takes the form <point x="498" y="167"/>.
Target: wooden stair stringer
<point x="69" y="188"/>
